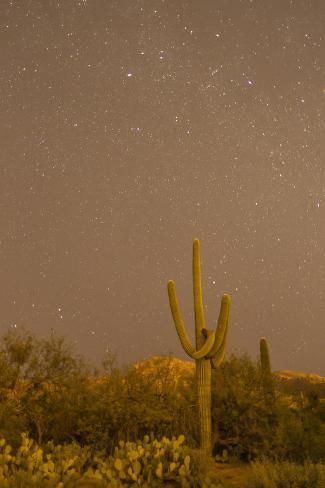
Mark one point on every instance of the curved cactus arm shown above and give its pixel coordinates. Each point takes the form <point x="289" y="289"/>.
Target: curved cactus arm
<point x="217" y="359"/>
<point x="221" y="325"/>
<point x="205" y="349"/>
<point x="179" y="323"/>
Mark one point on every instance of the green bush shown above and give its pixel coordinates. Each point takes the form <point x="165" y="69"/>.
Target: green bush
<point x="49" y="392"/>
<point x="245" y="426"/>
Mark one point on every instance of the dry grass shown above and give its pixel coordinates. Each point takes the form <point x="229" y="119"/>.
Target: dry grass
<point x="231" y="475"/>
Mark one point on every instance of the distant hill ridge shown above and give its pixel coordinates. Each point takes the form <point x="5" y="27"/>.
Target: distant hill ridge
<point x="297" y="375"/>
<point x="179" y="367"/>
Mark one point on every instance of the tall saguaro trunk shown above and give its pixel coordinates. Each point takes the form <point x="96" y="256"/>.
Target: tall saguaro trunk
<point x="203" y="379"/>
<point x="210" y="344"/>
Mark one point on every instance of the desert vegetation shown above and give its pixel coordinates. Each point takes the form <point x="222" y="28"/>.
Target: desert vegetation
<point x="63" y="421"/>
<point x="216" y="423"/>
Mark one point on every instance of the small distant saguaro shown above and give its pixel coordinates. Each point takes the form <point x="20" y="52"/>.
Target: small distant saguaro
<point x="266" y="372"/>
<point x="210" y="344"/>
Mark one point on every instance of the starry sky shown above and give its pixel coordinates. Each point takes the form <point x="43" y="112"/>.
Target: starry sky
<point x="131" y="127"/>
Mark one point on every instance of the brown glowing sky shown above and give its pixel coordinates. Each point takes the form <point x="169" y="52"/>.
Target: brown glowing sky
<point x="130" y="127"/>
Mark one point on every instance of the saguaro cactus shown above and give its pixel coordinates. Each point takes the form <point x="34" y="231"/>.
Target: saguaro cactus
<point x="210" y="345"/>
<point x="266" y="373"/>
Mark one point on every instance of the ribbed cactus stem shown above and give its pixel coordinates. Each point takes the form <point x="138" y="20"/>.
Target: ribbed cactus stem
<point x="266" y="372"/>
<point x="203" y="379"/>
<point x="265" y="357"/>
<point x="197" y="294"/>
<point x="210" y="344"/>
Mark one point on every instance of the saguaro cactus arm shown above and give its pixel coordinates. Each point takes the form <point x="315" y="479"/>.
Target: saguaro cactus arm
<point x="181" y="331"/>
<point x="222" y="325"/>
<point x="179" y="323"/>
<point x="207" y="346"/>
<point x="217" y="359"/>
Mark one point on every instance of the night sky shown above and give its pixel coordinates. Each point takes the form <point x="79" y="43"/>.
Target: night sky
<point x="129" y="128"/>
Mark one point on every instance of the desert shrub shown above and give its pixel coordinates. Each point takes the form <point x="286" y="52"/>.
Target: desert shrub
<point x="40" y="385"/>
<point x="245" y="425"/>
<point x="268" y="474"/>
<point x="302" y="428"/>
<point x="160" y="400"/>
<point x="127" y="404"/>
<point x="49" y="392"/>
